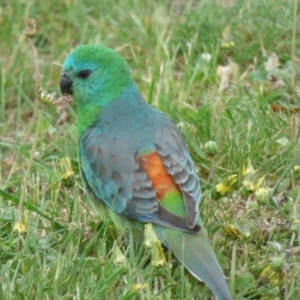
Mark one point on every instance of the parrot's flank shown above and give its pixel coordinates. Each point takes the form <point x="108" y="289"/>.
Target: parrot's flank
<point x="161" y="180"/>
<point x="134" y="161"/>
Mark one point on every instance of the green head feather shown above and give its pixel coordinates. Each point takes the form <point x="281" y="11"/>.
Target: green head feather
<point x="99" y="75"/>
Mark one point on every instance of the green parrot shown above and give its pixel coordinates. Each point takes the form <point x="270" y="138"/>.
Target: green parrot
<point x="134" y="161"/>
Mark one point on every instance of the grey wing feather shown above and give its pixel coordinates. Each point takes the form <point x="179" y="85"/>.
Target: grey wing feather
<point x="115" y="177"/>
<point x="179" y="164"/>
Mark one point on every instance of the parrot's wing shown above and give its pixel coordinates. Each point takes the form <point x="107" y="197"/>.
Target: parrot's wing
<point x="114" y="175"/>
<point x="192" y="250"/>
<point x="179" y="165"/>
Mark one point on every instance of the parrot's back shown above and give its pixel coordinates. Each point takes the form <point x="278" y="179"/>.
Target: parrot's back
<point x="130" y="121"/>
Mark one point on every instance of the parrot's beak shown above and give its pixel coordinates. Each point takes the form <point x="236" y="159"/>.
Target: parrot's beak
<point x="66" y="84"/>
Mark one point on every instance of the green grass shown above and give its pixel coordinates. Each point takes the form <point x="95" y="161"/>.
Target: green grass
<point x="68" y="250"/>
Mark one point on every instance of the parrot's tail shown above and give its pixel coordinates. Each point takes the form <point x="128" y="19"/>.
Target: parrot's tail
<point x="197" y="255"/>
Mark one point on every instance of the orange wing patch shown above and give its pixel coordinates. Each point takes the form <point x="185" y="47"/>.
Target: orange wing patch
<point x="161" y="180"/>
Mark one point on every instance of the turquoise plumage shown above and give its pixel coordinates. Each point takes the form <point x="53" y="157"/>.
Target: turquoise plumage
<point x="134" y="160"/>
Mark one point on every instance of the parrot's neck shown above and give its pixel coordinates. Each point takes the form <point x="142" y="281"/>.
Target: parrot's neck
<point x="88" y="113"/>
<point x="86" y="117"/>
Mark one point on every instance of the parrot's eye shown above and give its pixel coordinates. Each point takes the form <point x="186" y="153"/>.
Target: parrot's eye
<point x="84" y="74"/>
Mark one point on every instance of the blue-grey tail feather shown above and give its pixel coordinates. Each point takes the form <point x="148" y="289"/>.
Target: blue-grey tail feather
<point x="196" y="254"/>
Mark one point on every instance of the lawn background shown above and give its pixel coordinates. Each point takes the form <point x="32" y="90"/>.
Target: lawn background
<point x="53" y="245"/>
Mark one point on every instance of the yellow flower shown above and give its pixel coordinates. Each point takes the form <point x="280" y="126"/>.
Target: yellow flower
<point x="249" y="170"/>
<point x="227" y="40"/>
<point x="67" y="171"/>
<point x="252" y="178"/>
<point x="223" y="187"/>
<point x="297" y="213"/>
<point x="119" y="258"/>
<point x="150" y="235"/>
<point x="262" y="194"/>
<point x="296" y="168"/>
<point x="273" y="272"/>
<point x="253" y="183"/>
<point x="139" y="286"/>
<point x="44" y="96"/>
<point x="21" y="226"/>
<point x="270" y="275"/>
<point x="151" y="241"/>
<point x="158" y="258"/>
<point x="232" y="231"/>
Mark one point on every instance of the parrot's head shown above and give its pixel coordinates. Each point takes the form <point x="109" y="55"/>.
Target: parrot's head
<point x="94" y="75"/>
